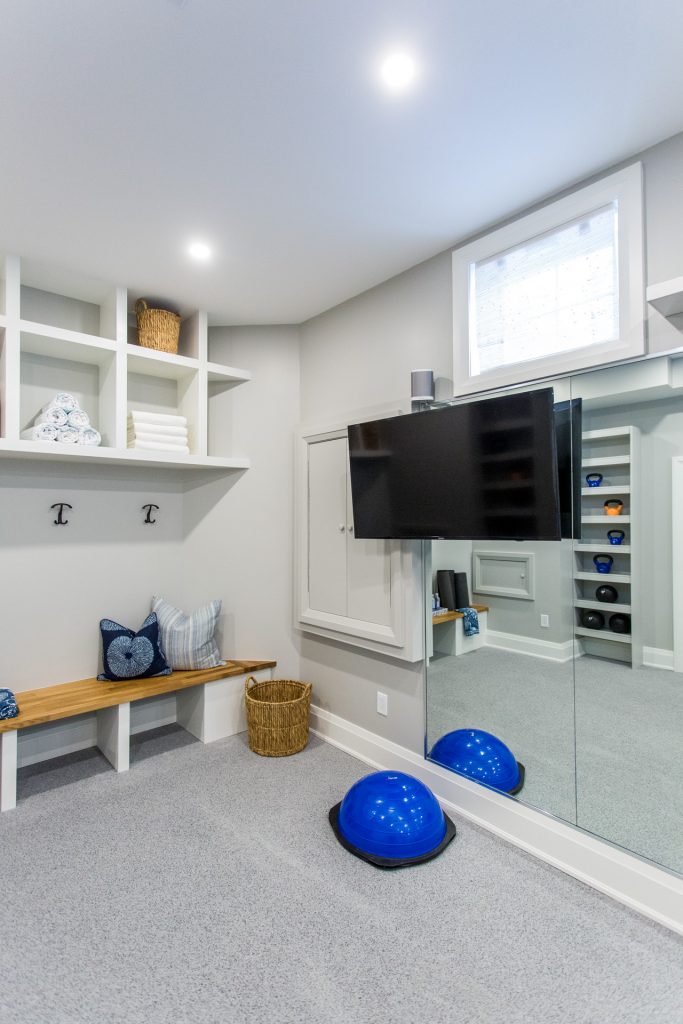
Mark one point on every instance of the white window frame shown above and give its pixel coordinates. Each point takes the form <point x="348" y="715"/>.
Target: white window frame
<point x="626" y="187"/>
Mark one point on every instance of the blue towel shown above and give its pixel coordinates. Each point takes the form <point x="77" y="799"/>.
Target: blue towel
<point x="8" y="704"/>
<point x="470" y="621"/>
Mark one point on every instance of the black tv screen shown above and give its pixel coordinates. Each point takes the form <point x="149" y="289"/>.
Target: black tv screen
<point x="484" y="470"/>
<point x="568" y="440"/>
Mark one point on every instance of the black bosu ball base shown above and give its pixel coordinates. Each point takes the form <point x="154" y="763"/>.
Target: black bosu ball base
<point x="390" y="862"/>
<point x="520" y="785"/>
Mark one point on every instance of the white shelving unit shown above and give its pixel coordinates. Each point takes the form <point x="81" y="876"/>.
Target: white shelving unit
<point x="81" y="339"/>
<point x="612" y="451"/>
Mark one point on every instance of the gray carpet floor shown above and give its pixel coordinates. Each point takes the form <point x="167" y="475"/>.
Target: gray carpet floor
<point x="624" y="778"/>
<point x="206" y="886"/>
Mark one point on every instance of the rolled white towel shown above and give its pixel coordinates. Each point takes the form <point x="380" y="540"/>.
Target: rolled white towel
<point x="78" y="418"/>
<point x="143" y="435"/>
<point x="53" y="414"/>
<point x="65" y="401"/>
<point x="156" y="446"/>
<point x="67" y="435"/>
<point x="40" y="432"/>
<point x="88" y="435"/>
<point x="167" y="429"/>
<point x="158" y="417"/>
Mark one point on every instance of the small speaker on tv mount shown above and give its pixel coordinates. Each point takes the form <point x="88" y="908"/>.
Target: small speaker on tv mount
<point x="422" y="386"/>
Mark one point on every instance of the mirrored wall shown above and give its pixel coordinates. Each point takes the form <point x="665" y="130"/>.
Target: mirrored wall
<point x="573" y="659"/>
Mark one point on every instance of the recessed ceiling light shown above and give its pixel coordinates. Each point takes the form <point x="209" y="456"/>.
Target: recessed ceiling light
<point x="199" y="251"/>
<point x="398" y="71"/>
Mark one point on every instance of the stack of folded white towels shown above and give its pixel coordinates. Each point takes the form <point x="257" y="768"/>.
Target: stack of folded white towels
<point x="158" y="432"/>
<point x="63" y="420"/>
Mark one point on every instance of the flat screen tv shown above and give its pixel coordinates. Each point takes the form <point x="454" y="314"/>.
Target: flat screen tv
<point x="483" y="470"/>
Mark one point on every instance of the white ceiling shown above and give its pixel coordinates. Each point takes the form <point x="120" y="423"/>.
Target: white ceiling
<point x="129" y="128"/>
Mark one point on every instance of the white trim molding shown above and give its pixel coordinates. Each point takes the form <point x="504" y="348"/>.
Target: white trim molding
<point x="636" y="883"/>
<point x="548" y="649"/>
<point x="523" y="561"/>
<point x="658" y="657"/>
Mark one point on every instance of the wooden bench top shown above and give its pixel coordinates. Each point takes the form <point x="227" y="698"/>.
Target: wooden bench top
<point x="450" y="616"/>
<point x="66" y="699"/>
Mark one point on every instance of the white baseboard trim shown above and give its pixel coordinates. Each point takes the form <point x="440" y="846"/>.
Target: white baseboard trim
<point x="658" y="657"/>
<point x="633" y="882"/>
<point x="548" y="649"/>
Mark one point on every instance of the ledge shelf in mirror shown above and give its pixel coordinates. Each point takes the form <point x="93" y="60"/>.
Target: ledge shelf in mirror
<point x="666" y="297"/>
<point x="62" y="332"/>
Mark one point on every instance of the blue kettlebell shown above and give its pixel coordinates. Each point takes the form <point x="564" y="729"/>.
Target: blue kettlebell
<point x="594" y="479"/>
<point x="603" y="563"/>
<point x="615" y="536"/>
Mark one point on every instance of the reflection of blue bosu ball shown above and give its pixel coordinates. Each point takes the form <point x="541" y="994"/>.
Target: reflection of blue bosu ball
<point x="480" y="756"/>
<point x="391" y="820"/>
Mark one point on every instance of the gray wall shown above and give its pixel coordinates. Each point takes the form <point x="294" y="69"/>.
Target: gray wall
<point x="360" y="354"/>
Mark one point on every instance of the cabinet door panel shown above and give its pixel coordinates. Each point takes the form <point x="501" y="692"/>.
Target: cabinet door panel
<point x="327" y="526"/>
<point x="369" y="575"/>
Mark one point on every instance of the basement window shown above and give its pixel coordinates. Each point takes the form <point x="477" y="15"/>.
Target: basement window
<point x="553" y="292"/>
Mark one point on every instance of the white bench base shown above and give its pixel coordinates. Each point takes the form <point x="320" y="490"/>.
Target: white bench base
<point x="449" y="637"/>
<point x="209" y="711"/>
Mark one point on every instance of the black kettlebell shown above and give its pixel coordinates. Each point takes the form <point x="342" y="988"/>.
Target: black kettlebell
<point x="607" y="593"/>
<point x="620" y="623"/>
<point x="592" y="620"/>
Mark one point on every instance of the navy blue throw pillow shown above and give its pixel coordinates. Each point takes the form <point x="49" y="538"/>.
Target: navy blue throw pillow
<point x="129" y="655"/>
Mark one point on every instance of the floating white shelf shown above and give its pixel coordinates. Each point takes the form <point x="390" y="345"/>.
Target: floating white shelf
<point x="604" y="549"/>
<point x="603" y="577"/>
<point x="667" y="297"/>
<point x="603" y="634"/>
<point x="607" y="460"/>
<point x="603" y="606"/>
<point x="612" y="522"/>
<point x="588" y="492"/>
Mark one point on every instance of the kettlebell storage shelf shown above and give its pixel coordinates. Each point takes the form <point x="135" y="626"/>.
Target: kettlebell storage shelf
<point x="78" y="336"/>
<point x="614" y="452"/>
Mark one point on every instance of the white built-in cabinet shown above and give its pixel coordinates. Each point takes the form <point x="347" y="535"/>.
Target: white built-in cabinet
<point x="362" y="592"/>
<point x="63" y="333"/>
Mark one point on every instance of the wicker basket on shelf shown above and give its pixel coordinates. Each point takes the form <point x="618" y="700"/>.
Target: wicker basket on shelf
<point x="277" y="715"/>
<point x="157" y="328"/>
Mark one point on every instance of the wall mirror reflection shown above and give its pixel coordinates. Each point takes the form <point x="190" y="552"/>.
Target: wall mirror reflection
<point x="571" y="659"/>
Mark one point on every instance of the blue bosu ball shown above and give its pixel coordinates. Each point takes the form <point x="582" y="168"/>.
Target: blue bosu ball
<point x="391" y="819"/>
<point x="480" y="756"/>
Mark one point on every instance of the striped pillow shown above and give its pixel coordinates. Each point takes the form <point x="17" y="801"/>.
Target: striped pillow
<point x="187" y="640"/>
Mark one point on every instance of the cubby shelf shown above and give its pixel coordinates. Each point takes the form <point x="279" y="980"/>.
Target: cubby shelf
<point x="603" y="634"/>
<point x="49" y="342"/>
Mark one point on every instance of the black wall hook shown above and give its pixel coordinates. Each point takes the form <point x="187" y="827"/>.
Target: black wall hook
<point x="149" y="508"/>
<point x="61" y="505"/>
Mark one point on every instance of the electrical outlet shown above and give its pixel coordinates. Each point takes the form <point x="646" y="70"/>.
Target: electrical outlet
<point x="545" y="620"/>
<point x="382" y="703"/>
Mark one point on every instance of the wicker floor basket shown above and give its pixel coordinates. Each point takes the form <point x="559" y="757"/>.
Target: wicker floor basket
<point x="277" y="715"/>
<point x="157" y="328"/>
